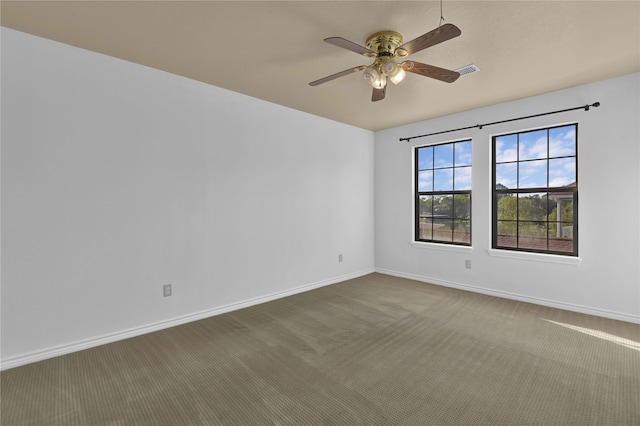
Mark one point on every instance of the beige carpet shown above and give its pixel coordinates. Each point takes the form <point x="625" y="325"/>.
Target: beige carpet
<point x="376" y="350"/>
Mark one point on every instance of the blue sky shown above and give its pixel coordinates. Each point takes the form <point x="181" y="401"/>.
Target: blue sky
<point x="536" y="159"/>
<point x="442" y="158"/>
<point x="532" y="153"/>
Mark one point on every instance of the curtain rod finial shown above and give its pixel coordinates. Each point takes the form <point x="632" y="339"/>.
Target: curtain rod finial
<point x="595" y="104"/>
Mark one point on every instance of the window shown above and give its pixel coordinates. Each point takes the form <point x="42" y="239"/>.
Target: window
<point x="535" y="191"/>
<point x="443" y="193"/>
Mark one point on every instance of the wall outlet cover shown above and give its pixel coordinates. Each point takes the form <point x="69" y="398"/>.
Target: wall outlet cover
<point x="166" y="290"/>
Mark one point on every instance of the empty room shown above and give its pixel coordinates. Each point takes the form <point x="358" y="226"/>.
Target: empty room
<point x="320" y="213"/>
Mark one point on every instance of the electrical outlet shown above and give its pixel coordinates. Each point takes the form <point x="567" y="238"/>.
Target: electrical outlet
<point x="467" y="264"/>
<point x="166" y="290"/>
<point x="340" y="257"/>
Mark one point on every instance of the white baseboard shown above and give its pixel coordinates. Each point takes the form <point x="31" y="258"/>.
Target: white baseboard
<point x="507" y="295"/>
<point x="52" y="352"/>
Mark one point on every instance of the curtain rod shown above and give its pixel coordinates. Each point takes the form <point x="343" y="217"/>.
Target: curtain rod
<point x="480" y="126"/>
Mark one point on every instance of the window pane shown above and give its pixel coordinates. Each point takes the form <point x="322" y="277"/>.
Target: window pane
<point x="563" y="210"/>
<point x="442" y="206"/>
<point x="425" y="158"/>
<point x="462" y="151"/>
<point x="533" y="145"/>
<point x="461" y="231"/>
<point x="562" y="172"/>
<point x="532" y="207"/>
<point x="442" y="230"/>
<point x="507" y="207"/>
<point x="533" y="174"/>
<point x="443" y="180"/>
<point x="443" y="155"/>
<point x="425" y="231"/>
<point x="561" y="230"/>
<point x="425" y="181"/>
<point x="567" y="230"/>
<point x="462" y="178"/>
<point x="462" y="206"/>
<point x="426" y="206"/>
<point x="506" y="148"/>
<point x="561" y="237"/>
<point x="425" y="210"/>
<point x="507" y="175"/>
<point x="507" y="234"/>
<point x="532" y="235"/>
<point x="562" y="141"/>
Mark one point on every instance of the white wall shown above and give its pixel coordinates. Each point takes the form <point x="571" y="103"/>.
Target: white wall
<point x="606" y="279"/>
<point x="117" y="179"/>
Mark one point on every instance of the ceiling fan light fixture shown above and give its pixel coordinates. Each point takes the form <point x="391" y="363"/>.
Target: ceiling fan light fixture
<point x="398" y="74"/>
<point x="380" y="83"/>
<point x="388" y="66"/>
<point x="374" y="77"/>
<point x="394" y="71"/>
<point x="370" y="74"/>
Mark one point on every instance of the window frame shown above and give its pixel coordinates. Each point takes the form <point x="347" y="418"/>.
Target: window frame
<point x="444" y="244"/>
<point x="570" y="189"/>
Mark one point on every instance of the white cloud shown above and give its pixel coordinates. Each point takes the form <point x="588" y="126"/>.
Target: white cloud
<point x="533" y="174"/>
<point x="505" y="154"/>
<point x="562" y="144"/>
<point x="559" y="181"/>
<point x="463" y="178"/>
<point x="562" y="171"/>
<point x="463" y="153"/>
<point x="425" y="180"/>
<point x="533" y="150"/>
<point x="506" y="175"/>
<point x="443" y="180"/>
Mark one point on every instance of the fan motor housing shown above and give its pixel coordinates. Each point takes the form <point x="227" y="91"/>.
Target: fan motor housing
<point x="384" y="43"/>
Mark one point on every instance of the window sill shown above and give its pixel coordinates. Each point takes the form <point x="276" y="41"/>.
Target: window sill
<point x="537" y="257"/>
<point x="442" y="247"/>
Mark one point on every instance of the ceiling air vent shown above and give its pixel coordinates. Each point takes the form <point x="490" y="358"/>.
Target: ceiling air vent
<point x="467" y="69"/>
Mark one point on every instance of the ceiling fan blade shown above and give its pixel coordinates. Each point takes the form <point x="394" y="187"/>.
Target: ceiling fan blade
<point x="431" y="71"/>
<point x="378" y="94"/>
<point x="433" y="37"/>
<point x="349" y="45"/>
<point x="337" y="75"/>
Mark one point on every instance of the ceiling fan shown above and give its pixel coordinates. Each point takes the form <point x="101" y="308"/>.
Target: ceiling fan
<point x="385" y="47"/>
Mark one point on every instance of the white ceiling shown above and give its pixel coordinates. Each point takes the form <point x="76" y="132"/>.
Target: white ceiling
<point x="272" y="49"/>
